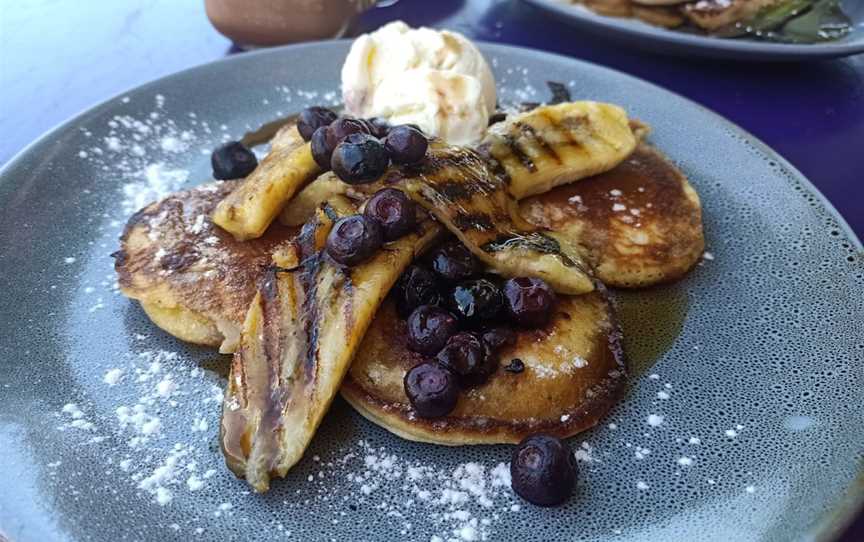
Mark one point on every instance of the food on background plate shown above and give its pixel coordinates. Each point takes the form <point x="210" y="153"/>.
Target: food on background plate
<point x="783" y="21"/>
<point x="499" y="326"/>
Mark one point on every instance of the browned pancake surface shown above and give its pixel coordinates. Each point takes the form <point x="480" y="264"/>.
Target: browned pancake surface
<point x="640" y="223"/>
<point x="173" y="257"/>
<point x="574" y="372"/>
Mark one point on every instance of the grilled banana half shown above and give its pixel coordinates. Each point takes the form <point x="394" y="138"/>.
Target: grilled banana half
<point x="300" y="334"/>
<point x="558" y="144"/>
<point x="192" y="279"/>
<point x="639" y="223"/>
<point x="532" y="152"/>
<point x="457" y="186"/>
<point x="249" y="209"/>
<point x="574" y="372"/>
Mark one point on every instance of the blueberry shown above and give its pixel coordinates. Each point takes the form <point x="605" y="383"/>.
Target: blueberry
<point x="431" y="389"/>
<point x="321" y="150"/>
<point x="466" y="355"/>
<point x="453" y="262"/>
<point x="325" y="138"/>
<point x="232" y="161"/>
<point x="477" y="301"/>
<point x="515" y="366"/>
<point x="378" y="127"/>
<point x="543" y="470"/>
<point x="529" y="301"/>
<point x="353" y="239"/>
<point x="499" y="338"/>
<point x="394" y="211"/>
<point x="359" y="159"/>
<point x="407" y="145"/>
<point x="416" y="287"/>
<point x="429" y="327"/>
<point x="313" y="118"/>
<point x="342" y="127"/>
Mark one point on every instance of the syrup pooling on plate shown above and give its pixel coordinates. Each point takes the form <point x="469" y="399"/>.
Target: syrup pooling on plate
<point x="298" y="338"/>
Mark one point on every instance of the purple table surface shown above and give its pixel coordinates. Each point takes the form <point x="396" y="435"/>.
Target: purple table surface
<point x="58" y="58"/>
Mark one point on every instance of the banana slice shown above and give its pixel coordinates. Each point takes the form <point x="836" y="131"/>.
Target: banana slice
<point x="558" y="144"/>
<point x="300" y="334"/>
<point x="456" y="186"/>
<point x="327" y="185"/>
<point x="249" y="209"/>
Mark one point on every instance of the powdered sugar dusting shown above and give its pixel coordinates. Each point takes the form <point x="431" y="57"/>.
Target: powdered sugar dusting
<point x="685" y="461"/>
<point x="464" y="502"/>
<point x="149" y="458"/>
<point x="147" y="153"/>
<point x="112" y="376"/>
<point x="655" y="420"/>
<point x="156" y="181"/>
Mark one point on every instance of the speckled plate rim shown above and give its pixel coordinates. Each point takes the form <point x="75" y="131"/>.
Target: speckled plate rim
<point x="835" y="520"/>
<point x="684" y="44"/>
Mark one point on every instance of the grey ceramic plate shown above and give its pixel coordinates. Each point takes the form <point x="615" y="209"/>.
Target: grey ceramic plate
<point x="636" y="33"/>
<point x="749" y="370"/>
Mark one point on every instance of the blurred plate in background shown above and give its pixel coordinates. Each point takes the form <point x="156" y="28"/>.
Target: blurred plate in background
<point x="636" y="33"/>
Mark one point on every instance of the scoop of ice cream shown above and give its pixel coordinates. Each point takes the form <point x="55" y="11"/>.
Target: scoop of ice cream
<point x="438" y="80"/>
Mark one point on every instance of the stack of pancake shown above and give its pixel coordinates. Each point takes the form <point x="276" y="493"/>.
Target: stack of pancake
<point x="301" y="329"/>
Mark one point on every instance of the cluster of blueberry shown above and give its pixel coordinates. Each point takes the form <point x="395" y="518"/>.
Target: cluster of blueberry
<point x="388" y="215"/>
<point x="454" y="312"/>
<point x="454" y="316"/>
<point x="359" y="150"/>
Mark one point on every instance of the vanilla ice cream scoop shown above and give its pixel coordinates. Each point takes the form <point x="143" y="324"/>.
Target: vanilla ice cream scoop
<point x="438" y="80"/>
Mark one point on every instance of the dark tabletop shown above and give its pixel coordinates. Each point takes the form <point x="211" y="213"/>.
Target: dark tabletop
<point x="60" y="57"/>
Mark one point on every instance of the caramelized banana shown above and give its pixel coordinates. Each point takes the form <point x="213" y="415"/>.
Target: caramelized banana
<point x="558" y="144"/>
<point x="301" y="332"/>
<point x="456" y="185"/>
<point x="249" y="209"/>
<point x="303" y="205"/>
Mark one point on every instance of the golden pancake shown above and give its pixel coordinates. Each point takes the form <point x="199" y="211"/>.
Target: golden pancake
<point x="574" y="373"/>
<point x="640" y="223"/>
<point x="193" y="279"/>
